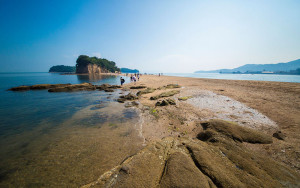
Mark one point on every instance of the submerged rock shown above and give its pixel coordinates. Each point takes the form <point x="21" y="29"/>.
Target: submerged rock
<point x="74" y="87"/>
<point x="124" y="98"/>
<point x="38" y="87"/>
<point x="66" y="87"/>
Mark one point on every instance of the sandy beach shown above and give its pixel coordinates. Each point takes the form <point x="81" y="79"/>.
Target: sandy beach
<point x="265" y="106"/>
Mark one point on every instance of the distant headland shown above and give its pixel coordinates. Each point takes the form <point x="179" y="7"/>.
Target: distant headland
<point x="292" y="67"/>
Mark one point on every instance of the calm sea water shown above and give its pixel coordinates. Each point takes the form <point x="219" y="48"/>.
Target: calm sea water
<point x="62" y="139"/>
<point x="261" y="77"/>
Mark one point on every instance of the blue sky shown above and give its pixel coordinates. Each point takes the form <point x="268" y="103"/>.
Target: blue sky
<point x="152" y="36"/>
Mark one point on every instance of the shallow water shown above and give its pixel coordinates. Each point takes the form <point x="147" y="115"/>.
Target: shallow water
<point x="260" y="77"/>
<point x="62" y="139"/>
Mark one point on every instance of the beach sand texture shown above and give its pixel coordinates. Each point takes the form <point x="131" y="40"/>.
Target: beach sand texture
<point x="264" y="107"/>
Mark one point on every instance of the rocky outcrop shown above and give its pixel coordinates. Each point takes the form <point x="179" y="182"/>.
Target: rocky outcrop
<point x="37" y="87"/>
<point x="67" y="87"/>
<point x="185" y="162"/>
<point x="165" y="102"/>
<point x="90" y="69"/>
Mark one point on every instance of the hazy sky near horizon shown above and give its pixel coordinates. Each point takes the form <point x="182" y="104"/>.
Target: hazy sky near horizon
<point x="150" y="35"/>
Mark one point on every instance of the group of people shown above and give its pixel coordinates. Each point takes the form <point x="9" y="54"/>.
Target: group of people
<point x="133" y="78"/>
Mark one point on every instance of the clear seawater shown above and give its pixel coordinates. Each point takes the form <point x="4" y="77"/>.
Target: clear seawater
<point x="260" y="77"/>
<point x="64" y="139"/>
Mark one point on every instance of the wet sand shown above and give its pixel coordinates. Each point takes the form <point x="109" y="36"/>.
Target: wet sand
<point x="266" y="106"/>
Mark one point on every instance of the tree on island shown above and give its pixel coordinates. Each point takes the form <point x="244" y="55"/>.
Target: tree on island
<point x="62" y="68"/>
<point x="84" y="60"/>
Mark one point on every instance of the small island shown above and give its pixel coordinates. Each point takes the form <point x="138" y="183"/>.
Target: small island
<point x="92" y="65"/>
<point x="62" y="68"/>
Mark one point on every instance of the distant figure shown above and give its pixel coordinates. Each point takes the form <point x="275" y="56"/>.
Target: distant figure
<point x="158" y="74"/>
<point x="134" y="79"/>
<point x="122" y="81"/>
<point x="131" y="78"/>
<point x="138" y="77"/>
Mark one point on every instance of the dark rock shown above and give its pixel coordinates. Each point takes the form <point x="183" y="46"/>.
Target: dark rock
<point x="171" y="101"/>
<point x="109" y="90"/>
<point x="137" y="87"/>
<point x="279" y="135"/>
<point x="135" y="103"/>
<point x="129" y="96"/>
<point x="121" y="100"/>
<point x="114" y="87"/>
<point x="162" y="103"/>
<point x="125" y="169"/>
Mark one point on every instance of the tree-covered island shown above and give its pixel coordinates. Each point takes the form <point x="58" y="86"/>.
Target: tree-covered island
<point x="86" y="64"/>
<point x="62" y="68"/>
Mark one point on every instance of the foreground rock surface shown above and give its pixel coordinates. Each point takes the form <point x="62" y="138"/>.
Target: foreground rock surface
<point x="185" y="162"/>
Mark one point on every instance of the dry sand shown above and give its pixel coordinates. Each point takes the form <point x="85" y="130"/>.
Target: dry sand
<point x="266" y="106"/>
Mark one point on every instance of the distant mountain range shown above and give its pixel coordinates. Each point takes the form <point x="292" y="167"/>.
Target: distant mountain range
<point x="256" y="68"/>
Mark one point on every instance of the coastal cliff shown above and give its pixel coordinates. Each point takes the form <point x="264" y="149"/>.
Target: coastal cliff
<point x="90" y="69"/>
<point x="94" y="65"/>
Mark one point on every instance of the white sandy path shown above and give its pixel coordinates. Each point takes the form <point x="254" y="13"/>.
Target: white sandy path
<point x="226" y="108"/>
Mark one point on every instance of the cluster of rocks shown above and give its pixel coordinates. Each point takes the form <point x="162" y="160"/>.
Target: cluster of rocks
<point x="67" y="87"/>
<point x="165" y="102"/>
<point x="220" y="161"/>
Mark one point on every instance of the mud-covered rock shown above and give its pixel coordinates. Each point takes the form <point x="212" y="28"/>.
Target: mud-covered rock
<point x="145" y="91"/>
<point x="107" y="87"/>
<point x="165" y="94"/>
<point x="38" y="87"/>
<point x="237" y="132"/>
<point x="137" y="87"/>
<point x="170" y="86"/>
<point x="181" y="171"/>
<point x="184" y="98"/>
<point x="74" y="87"/>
